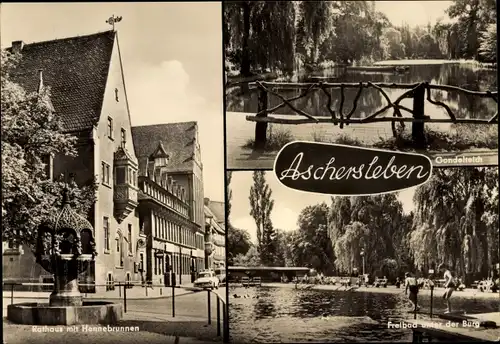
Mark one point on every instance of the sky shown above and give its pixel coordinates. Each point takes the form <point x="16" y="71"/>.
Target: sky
<point x="172" y="60"/>
<point x="288" y="203"/>
<point x="413" y="12"/>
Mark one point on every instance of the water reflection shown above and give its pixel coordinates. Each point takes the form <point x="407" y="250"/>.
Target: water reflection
<point x="462" y="75"/>
<point x="289" y="315"/>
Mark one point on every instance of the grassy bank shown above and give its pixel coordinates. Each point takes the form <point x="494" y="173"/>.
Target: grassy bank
<point x="474" y="138"/>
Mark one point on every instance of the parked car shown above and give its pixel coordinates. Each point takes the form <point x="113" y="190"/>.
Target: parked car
<point x="207" y="280"/>
<point x="221" y="275"/>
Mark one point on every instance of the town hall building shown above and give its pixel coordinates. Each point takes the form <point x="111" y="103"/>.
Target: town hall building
<point x="149" y="214"/>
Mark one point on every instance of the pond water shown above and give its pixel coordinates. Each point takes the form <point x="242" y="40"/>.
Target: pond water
<point x="290" y="315"/>
<point x="464" y="75"/>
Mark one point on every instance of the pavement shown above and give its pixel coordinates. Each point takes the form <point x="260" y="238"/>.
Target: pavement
<point x="146" y="321"/>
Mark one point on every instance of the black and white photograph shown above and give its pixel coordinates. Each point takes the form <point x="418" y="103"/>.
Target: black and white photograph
<point x="413" y="76"/>
<point x="113" y="195"/>
<point x="418" y="265"/>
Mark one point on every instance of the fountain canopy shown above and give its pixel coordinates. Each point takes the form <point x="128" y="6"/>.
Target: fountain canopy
<point x="65" y="247"/>
<point x="65" y="235"/>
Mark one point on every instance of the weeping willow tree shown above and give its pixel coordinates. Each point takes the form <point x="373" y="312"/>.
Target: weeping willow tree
<point x="453" y="222"/>
<point x="259" y="34"/>
<point x="348" y="247"/>
<point x="314" y="26"/>
<point x="488" y="43"/>
<point x="375" y="224"/>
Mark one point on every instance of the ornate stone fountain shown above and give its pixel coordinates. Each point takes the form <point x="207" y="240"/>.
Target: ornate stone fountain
<point x="65" y="248"/>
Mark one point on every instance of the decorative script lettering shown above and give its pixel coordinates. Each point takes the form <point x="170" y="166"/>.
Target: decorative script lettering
<point x="343" y="170"/>
<point x="370" y="171"/>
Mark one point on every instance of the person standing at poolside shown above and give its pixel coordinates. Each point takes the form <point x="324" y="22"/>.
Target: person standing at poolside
<point x="411" y="285"/>
<point x="449" y="284"/>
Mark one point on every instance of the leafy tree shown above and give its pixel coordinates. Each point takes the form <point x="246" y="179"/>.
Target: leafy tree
<point x="314" y="248"/>
<point x="261" y="206"/>
<point x="348" y="247"/>
<point x="238" y="242"/>
<point x="473" y="17"/>
<point x="316" y="24"/>
<point x="375" y="224"/>
<point x="260" y="34"/>
<point x="488" y="43"/>
<point x="391" y="44"/>
<point x="454" y="223"/>
<point x="31" y="132"/>
<point x="251" y="258"/>
<point x="268" y="247"/>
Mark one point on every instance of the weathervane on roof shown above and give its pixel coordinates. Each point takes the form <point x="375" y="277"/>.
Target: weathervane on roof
<point x="112" y="20"/>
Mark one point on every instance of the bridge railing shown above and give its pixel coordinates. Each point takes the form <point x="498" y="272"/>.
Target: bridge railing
<point x="420" y="92"/>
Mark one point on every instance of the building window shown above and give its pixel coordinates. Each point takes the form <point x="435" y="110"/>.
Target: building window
<point x="110" y="128"/>
<point x="141" y="267"/>
<point x="105" y="173"/>
<point x="130" y="238"/>
<point x="120" y="175"/>
<point x="106" y="233"/>
<point x="123" y="137"/>
<point x="109" y="282"/>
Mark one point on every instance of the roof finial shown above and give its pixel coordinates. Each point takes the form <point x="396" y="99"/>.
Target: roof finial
<point x="112" y="20"/>
<point x="65" y="200"/>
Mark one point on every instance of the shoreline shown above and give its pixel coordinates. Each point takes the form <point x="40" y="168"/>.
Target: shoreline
<point x="237" y="78"/>
<point x="466" y="293"/>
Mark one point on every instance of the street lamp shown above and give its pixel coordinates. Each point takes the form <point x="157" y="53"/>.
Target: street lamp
<point x="363" y="257"/>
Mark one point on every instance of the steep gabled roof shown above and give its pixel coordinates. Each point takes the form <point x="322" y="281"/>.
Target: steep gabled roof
<point x="177" y="139"/>
<point x="75" y="69"/>
<point x="218" y="209"/>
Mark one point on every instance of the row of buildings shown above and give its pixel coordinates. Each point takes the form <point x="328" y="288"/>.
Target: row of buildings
<point x="151" y="218"/>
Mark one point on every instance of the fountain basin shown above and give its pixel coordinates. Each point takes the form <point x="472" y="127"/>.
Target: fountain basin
<point x="91" y="312"/>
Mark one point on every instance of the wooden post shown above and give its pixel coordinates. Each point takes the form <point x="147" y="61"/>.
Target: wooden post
<point x="261" y="127"/>
<point x="417" y="129"/>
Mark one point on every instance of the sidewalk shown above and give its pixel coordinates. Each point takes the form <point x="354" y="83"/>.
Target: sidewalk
<point x="23" y="334"/>
<point x="135" y="293"/>
<point x="136" y="327"/>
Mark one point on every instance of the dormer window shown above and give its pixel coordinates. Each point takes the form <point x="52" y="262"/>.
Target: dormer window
<point x="162" y="161"/>
<point x="48" y="160"/>
<point x="160" y="156"/>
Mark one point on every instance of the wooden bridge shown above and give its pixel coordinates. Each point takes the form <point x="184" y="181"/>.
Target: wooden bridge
<point x="419" y="92"/>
